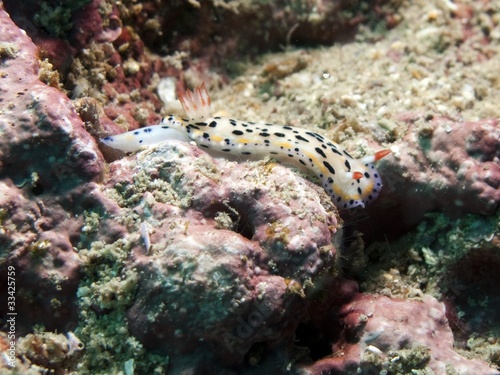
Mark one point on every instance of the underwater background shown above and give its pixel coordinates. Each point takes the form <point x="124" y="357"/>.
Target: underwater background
<point x="173" y="261"/>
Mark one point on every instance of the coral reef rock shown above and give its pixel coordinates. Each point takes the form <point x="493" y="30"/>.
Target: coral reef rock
<point x="395" y="336"/>
<point x="230" y="254"/>
<point x="439" y="164"/>
<point x="49" y="166"/>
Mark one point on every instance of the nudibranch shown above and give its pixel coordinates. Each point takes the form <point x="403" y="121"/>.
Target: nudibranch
<point x="349" y="182"/>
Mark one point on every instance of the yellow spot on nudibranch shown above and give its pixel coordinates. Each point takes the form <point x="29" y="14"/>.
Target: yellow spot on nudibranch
<point x="284" y="144"/>
<point x="314" y="159"/>
<point x="242" y="140"/>
<point x="217" y="138"/>
<point x="338" y="191"/>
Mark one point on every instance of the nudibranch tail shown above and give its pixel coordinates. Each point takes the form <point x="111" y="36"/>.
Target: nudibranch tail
<point x="146" y="137"/>
<point x="196" y="103"/>
<point x="349" y="182"/>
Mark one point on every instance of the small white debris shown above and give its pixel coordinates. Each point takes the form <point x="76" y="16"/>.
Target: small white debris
<point x="374" y="349"/>
<point x="74" y="343"/>
<point x="131" y="66"/>
<point x="395" y="151"/>
<point x="429" y="256"/>
<point x="450" y="5"/>
<point x="144" y="230"/>
<point x="166" y="90"/>
<point x="468" y="92"/>
<point x="128" y="366"/>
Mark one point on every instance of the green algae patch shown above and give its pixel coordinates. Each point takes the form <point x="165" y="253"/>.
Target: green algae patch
<point x="423" y="256"/>
<point x="105" y="293"/>
<point x="51" y="350"/>
<point x="404" y="361"/>
<point x="455" y="260"/>
<point x="55" y="17"/>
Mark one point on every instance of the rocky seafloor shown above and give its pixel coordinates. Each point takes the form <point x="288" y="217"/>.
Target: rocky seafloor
<point x="173" y="261"/>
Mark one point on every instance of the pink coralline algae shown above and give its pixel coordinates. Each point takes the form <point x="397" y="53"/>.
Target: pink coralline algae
<point x="443" y="165"/>
<point x="49" y="166"/>
<point x="237" y="252"/>
<point x="392" y="335"/>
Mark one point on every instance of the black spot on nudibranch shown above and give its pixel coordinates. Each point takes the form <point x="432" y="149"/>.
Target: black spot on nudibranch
<point x="336" y="151"/>
<point x="164" y="127"/>
<point x="213" y="124"/>
<point x="201" y="123"/>
<point x="302" y="162"/>
<point x="319" y="137"/>
<point x="136" y="133"/>
<point x="301" y="138"/>
<point x="279" y="134"/>
<point x="237" y="132"/>
<point x="263" y="134"/>
<point x="329" y="167"/>
<point x="206" y="135"/>
<point x="348" y="165"/>
<point x="287" y="127"/>
<point x="320" y="151"/>
<point x="246" y="153"/>
<point x="367" y="175"/>
<point x="249" y="130"/>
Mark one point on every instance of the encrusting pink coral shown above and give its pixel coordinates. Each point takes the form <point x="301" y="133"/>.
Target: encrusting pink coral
<point x="50" y="167"/>
<point x="438" y="165"/>
<point x="395" y="335"/>
<point x="238" y="250"/>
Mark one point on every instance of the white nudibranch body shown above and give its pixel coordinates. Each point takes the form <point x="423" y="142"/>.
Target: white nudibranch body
<point x="349" y="182"/>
